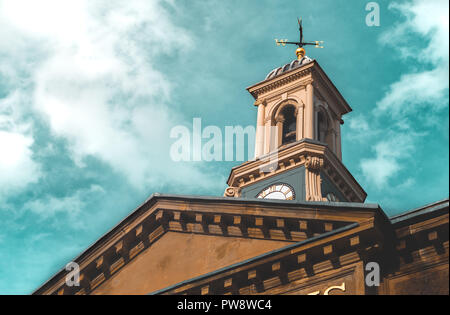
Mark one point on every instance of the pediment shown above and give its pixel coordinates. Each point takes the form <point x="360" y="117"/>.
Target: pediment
<point x="195" y="235"/>
<point x="177" y="257"/>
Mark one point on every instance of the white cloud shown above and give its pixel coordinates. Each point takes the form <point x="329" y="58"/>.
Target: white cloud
<point x="71" y="205"/>
<point x="360" y="129"/>
<point x="388" y="160"/>
<point x="422" y="40"/>
<point x="17" y="167"/>
<point x="427" y="20"/>
<point x="95" y="80"/>
<point x="15" y="160"/>
<point x="358" y="123"/>
<point x="415" y="89"/>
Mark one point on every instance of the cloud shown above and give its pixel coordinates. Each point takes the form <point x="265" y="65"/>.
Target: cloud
<point x="422" y="40"/>
<point x="415" y="89"/>
<point x="360" y="128"/>
<point x="89" y="70"/>
<point x="387" y="162"/>
<point x="71" y="205"/>
<point x="17" y="167"/>
<point x="15" y="161"/>
<point x="359" y="123"/>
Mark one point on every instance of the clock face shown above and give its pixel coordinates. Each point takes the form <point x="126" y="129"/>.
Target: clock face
<point x="277" y="191"/>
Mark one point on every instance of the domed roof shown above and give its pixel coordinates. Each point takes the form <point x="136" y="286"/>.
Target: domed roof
<point x="290" y="66"/>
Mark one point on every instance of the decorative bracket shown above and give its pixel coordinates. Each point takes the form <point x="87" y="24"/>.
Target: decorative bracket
<point x="232" y="192"/>
<point x="313" y="182"/>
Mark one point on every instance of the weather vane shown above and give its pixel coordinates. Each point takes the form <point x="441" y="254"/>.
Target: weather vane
<point x="300" y="52"/>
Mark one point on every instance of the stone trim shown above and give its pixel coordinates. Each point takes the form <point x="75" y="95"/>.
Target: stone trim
<point x="266" y="273"/>
<point x="315" y="73"/>
<point x="280" y="81"/>
<point x="294" y="156"/>
<point x="313" y="181"/>
<point x="109" y="258"/>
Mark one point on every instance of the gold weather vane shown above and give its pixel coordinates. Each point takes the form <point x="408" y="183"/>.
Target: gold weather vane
<point x="300" y="52"/>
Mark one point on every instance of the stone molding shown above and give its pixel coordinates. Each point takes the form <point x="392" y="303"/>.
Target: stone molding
<point x="310" y="73"/>
<point x="106" y="259"/>
<point x="278" y="82"/>
<point x="313" y="181"/>
<point x="303" y="153"/>
<point x="260" y="102"/>
<point x="232" y="192"/>
<point x="314" y="163"/>
<point x="301" y="266"/>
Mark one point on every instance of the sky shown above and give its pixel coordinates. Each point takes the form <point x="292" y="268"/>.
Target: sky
<point x="90" y="90"/>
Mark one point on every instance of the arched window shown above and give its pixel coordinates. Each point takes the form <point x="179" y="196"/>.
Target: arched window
<point x="322" y="127"/>
<point x="289" y="125"/>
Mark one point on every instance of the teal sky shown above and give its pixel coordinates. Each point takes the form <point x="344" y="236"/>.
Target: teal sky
<point x="89" y="91"/>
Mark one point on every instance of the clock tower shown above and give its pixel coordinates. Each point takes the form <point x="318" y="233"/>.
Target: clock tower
<point x="298" y="153"/>
<point x="293" y="220"/>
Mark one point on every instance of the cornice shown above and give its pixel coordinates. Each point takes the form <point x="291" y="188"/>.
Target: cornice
<point x="301" y="265"/>
<point x="290" y="223"/>
<point x="276" y="95"/>
<point x="294" y="156"/>
<point x="342" y="178"/>
<point x="282" y="80"/>
<point x="260" y="102"/>
<point x="310" y="259"/>
<point x="325" y="86"/>
<point x="310" y="73"/>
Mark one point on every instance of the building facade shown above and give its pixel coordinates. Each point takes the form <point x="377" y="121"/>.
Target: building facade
<point x="291" y="221"/>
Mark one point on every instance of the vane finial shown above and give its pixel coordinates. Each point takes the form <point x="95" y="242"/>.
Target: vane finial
<point x="300" y="52"/>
